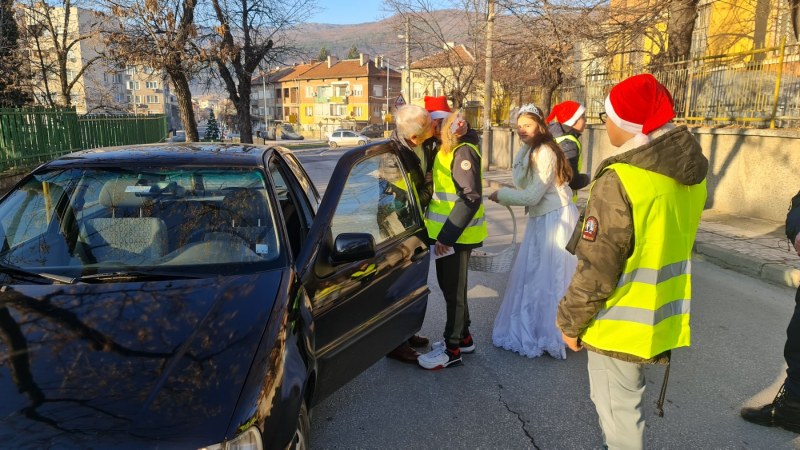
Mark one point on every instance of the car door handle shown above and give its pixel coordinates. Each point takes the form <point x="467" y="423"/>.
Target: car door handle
<point x="419" y="253"/>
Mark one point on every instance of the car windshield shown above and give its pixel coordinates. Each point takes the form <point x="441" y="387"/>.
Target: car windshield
<point x="76" y="222"/>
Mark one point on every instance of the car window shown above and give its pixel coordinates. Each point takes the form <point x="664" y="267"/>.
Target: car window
<point x="294" y="215"/>
<point x="94" y="220"/>
<point x="375" y="200"/>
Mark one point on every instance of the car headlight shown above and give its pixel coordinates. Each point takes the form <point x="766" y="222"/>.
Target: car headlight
<point x="250" y="439"/>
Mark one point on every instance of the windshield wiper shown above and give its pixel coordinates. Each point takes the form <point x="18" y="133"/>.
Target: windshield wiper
<point x="138" y="275"/>
<point x="8" y="268"/>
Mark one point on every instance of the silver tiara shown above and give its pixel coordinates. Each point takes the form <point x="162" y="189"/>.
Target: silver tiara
<point x="529" y="108"/>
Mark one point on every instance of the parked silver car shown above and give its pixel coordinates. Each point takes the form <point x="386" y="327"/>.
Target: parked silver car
<point x="346" y="137"/>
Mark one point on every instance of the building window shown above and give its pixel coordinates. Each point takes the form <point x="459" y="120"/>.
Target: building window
<point x="358" y="90"/>
<point x="130" y="71"/>
<point x="117" y="78"/>
<point x="437" y="90"/>
<point x="338" y="110"/>
<point x="152" y="85"/>
<point x="133" y="85"/>
<point x="152" y="99"/>
<point x="309" y="91"/>
<point x="138" y="100"/>
<point x="377" y="90"/>
<point x="70" y="74"/>
<point x="309" y="111"/>
<point x="418" y="91"/>
<point x="357" y="111"/>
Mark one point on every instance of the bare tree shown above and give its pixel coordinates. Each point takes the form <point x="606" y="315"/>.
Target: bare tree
<point x="11" y="75"/>
<point x="434" y="36"/>
<point x="160" y="34"/>
<point x="53" y="35"/>
<point x="245" y="35"/>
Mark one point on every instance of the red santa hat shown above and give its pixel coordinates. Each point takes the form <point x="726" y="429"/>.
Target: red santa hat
<point x="640" y="104"/>
<point x="437" y="107"/>
<point x="567" y="113"/>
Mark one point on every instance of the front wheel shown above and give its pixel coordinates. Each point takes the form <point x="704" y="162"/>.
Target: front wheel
<point x="332" y="144"/>
<point x="362" y="142"/>
<point x="302" y="433"/>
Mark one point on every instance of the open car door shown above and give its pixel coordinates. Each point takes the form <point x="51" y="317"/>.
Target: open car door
<point x="365" y="265"/>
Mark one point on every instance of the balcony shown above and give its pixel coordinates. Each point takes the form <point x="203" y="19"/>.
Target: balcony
<point x="322" y="99"/>
<point x="339" y="100"/>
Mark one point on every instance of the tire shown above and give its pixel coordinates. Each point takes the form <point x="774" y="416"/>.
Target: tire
<point x="302" y="433"/>
<point x="362" y="142"/>
<point x="333" y="144"/>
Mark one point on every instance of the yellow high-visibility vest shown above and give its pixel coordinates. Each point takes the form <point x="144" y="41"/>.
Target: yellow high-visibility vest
<point x="444" y="198"/>
<point x="648" y="312"/>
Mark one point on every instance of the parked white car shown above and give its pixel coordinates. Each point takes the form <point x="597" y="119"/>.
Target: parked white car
<point x="346" y="137"/>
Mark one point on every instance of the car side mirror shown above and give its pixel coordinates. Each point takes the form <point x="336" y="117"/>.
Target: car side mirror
<point x="349" y="247"/>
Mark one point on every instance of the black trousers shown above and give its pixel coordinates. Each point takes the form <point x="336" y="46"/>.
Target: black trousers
<point x="791" y="351"/>
<point x="451" y="272"/>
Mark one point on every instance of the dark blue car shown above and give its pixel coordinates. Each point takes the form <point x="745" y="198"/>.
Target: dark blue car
<point x="198" y="296"/>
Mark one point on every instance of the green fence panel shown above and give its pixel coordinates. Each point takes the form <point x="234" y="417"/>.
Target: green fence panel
<point x="33" y="135"/>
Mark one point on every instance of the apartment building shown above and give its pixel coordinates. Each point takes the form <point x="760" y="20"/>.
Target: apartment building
<point x="102" y="87"/>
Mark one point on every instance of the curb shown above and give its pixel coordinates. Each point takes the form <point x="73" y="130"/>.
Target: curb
<point x="776" y="273"/>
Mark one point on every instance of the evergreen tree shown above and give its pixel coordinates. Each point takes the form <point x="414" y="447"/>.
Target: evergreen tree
<point x="323" y="54"/>
<point x="10" y="92"/>
<point x="212" y="128"/>
<point x="353" y="53"/>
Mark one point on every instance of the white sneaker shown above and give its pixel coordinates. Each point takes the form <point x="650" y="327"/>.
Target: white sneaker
<point x="439" y="358"/>
<point x="467" y="345"/>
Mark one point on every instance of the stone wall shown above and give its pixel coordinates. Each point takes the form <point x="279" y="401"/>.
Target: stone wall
<point x="752" y="172"/>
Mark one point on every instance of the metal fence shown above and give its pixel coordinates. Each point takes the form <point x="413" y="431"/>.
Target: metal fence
<point x="759" y="88"/>
<point x="32" y="135"/>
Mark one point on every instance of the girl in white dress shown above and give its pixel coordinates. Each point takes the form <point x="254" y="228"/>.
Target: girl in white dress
<point x="526" y="320"/>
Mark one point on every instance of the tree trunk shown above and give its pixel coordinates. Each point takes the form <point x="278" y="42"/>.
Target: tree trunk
<point x="185" y="108"/>
<point x="682" y="15"/>
<point x="243" y="112"/>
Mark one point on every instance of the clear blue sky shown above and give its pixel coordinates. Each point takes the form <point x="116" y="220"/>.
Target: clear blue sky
<point x="348" y="11"/>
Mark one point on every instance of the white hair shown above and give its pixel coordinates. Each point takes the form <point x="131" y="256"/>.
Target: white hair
<point x="411" y="120"/>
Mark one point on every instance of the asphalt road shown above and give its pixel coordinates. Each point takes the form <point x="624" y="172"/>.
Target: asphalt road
<point x="499" y="399"/>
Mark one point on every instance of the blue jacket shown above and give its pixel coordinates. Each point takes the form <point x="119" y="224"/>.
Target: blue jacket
<point x="793" y="219"/>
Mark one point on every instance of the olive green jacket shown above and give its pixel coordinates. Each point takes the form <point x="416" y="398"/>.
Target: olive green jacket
<point x="673" y="152"/>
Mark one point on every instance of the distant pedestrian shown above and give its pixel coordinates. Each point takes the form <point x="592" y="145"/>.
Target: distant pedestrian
<point x="629" y="300"/>
<point x="784" y="411"/>
<point x="526" y="320"/>
<point x="455" y="221"/>
<point x="567" y="121"/>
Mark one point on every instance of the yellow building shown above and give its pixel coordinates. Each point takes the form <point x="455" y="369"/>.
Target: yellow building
<point x="340" y="93"/>
<point x="721" y="27"/>
<point x="451" y="72"/>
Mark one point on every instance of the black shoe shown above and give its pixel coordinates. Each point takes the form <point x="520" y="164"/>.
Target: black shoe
<point x="783" y="412"/>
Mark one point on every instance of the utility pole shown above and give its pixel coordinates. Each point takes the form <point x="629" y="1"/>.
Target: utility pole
<point x="486" y="140"/>
<point x="386" y="67"/>
<point x="264" y="87"/>
<point x="408" y="60"/>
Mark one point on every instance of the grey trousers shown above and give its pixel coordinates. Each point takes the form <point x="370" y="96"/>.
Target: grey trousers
<point x="617" y="389"/>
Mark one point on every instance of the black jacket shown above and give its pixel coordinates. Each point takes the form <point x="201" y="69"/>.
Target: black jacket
<point x="579" y="180"/>
<point x="793" y="219"/>
<point x="413" y="165"/>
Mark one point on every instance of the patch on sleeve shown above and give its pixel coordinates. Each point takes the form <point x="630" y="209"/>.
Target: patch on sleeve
<point x="590" y="229"/>
<point x="466" y="165"/>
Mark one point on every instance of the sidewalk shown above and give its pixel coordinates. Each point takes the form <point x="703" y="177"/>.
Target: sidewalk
<point x="751" y="246"/>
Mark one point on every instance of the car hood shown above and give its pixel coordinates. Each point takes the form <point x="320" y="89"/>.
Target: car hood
<point x="128" y="364"/>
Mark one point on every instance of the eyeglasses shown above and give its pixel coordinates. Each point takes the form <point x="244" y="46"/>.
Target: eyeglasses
<point x="602" y="117"/>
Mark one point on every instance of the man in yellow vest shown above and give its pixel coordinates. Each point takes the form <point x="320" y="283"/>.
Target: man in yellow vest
<point x="629" y="300"/>
<point x="566" y="122"/>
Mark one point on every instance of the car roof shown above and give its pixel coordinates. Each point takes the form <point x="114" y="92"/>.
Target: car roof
<point x="192" y="153"/>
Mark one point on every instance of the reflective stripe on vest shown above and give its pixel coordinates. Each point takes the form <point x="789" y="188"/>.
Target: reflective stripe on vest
<point x="648" y="312"/>
<point x="444" y="199"/>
